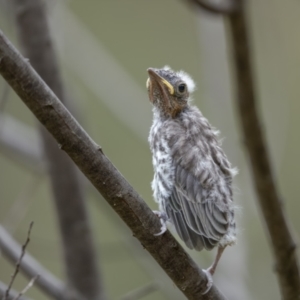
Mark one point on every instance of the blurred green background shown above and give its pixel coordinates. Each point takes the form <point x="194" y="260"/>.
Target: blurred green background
<point x="104" y="49"/>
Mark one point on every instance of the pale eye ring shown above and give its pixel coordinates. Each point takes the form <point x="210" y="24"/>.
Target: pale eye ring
<point x="181" y="88"/>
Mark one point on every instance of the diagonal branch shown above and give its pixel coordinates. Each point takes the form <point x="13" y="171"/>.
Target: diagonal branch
<point x="89" y="157"/>
<point x="269" y="199"/>
<point x="81" y="262"/>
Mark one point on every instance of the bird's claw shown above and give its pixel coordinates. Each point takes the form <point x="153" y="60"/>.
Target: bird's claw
<point x="209" y="280"/>
<point x="163" y="218"/>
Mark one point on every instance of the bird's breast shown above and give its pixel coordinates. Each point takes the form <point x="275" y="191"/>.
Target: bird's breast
<point x="163" y="165"/>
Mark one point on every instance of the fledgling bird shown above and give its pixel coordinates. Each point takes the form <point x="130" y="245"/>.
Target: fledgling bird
<point x="192" y="175"/>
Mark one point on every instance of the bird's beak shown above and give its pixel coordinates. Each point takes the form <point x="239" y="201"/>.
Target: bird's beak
<point x="162" y="93"/>
<point x="155" y="79"/>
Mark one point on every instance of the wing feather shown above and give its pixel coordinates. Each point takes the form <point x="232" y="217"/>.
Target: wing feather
<point x="191" y="239"/>
<point x="198" y="221"/>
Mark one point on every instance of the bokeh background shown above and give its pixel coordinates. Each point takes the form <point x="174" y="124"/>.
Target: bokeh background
<point x="104" y="49"/>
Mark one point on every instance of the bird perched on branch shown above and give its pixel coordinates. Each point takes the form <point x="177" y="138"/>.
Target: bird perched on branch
<point x="192" y="175"/>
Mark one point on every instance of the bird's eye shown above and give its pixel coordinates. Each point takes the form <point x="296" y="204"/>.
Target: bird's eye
<point x="181" y="88"/>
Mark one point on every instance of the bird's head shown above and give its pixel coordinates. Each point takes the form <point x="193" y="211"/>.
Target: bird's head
<point x="168" y="90"/>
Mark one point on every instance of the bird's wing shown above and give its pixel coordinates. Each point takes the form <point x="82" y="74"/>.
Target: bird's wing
<point x="193" y="207"/>
<point x="199" y="222"/>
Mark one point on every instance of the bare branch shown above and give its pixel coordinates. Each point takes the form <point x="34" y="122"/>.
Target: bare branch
<point x="14" y="275"/>
<point x="222" y="7"/>
<point x="12" y="294"/>
<point x="79" y="252"/>
<point x="269" y="199"/>
<point x="103" y="175"/>
<point x="47" y="282"/>
<point x="27" y="287"/>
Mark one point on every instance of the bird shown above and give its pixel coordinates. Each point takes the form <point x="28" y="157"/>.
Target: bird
<point x="192" y="181"/>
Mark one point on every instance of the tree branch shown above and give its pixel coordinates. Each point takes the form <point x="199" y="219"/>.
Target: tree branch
<point x="270" y="201"/>
<point x="80" y="258"/>
<point x="103" y="175"/>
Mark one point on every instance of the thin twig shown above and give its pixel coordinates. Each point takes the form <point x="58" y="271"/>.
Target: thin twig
<point x="48" y="283"/>
<point x="269" y="199"/>
<point x="27" y="287"/>
<point x="14" y="275"/>
<point x="89" y="157"/>
<point x="225" y="7"/>
<point x="12" y="294"/>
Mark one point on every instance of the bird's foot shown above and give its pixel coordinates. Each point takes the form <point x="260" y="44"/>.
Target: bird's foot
<point x="208" y="272"/>
<point x="163" y="218"/>
<point x="211" y="270"/>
